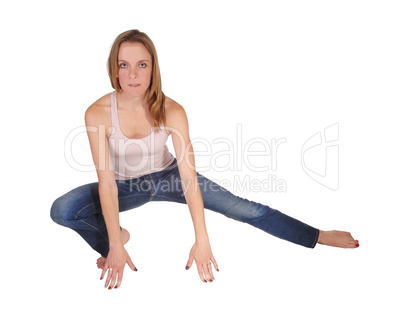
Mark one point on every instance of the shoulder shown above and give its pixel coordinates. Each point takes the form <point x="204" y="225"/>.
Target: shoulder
<point x="174" y="110"/>
<point x="98" y="113"/>
<point x="98" y="110"/>
<point x="175" y="114"/>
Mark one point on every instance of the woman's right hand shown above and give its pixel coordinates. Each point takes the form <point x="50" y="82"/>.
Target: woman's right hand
<point x="116" y="260"/>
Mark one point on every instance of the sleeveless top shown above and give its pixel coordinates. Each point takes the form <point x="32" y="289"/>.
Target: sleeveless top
<point x="133" y="158"/>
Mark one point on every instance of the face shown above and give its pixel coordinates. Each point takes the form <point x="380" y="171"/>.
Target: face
<point x="135" y="68"/>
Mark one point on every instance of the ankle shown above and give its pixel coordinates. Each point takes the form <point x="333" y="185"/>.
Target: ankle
<point x="321" y="236"/>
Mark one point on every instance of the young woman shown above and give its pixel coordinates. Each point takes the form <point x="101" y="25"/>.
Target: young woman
<point x="127" y="131"/>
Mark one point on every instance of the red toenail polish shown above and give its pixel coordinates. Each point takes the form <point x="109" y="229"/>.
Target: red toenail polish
<point x="357" y="245"/>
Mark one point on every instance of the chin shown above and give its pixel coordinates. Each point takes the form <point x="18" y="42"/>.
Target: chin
<point x="138" y="93"/>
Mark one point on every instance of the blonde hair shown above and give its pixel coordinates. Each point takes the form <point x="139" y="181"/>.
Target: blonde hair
<point x="155" y="96"/>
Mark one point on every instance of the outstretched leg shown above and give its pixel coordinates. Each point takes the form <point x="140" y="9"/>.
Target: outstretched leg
<point x="270" y="220"/>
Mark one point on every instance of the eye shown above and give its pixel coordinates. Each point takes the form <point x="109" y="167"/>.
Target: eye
<point x="143" y="65"/>
<point x="123" y="65"/>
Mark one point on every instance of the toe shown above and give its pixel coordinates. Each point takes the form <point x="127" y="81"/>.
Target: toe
<point x="353" y="244"/>
<point x="101" y="262"/>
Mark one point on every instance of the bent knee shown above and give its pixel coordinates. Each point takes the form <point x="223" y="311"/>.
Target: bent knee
<point x="59" y="212"/>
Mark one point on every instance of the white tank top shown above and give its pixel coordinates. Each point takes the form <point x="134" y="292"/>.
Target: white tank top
<point x="133" y="158"/>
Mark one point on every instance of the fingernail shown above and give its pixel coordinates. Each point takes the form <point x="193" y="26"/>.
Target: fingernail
<point x="135" y="269"/>
<point x="187" y="267"/>
<point x="205" y="281"/>
<point x="217" y="270"/>
<point x="105" y="286"/>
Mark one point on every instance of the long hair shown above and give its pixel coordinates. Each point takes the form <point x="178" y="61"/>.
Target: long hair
<point x="155" y="96"/>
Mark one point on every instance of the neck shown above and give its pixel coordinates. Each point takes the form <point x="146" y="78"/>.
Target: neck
<point x="132" y="102"/>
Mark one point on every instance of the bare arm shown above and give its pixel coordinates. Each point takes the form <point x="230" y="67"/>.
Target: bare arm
<point x="201" y="251"/>
<point x="108" y="193"/>
<point x="186" y="163"/>
<point x="96" y="131"/>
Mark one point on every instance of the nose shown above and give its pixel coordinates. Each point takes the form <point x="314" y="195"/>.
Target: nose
<point x="133" y="73"/>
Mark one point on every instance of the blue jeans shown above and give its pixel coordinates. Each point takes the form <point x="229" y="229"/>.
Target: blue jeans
<point x="80" y="209"/>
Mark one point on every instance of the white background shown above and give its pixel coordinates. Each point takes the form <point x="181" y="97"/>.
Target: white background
<point x="281" y="69"/>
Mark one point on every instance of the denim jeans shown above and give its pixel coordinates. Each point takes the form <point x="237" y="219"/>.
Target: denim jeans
<point x="80" y="209"/>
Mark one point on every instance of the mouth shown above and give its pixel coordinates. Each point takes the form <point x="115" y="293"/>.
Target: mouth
<point x="134" y="85"/>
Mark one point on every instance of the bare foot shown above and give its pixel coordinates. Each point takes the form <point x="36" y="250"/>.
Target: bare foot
<point x="337" y="239"/>
<point x="125" y="237"/>
<point x="101" y="262"/>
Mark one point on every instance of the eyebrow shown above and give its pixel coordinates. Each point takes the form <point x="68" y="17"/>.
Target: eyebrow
<point x="137" y="61"/>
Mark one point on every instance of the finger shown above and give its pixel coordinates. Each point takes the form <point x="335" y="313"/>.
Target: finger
<point x="105" y="268"/>
<point x="131" y="264"/>
<point x="210" y="271"/>
<point x="119" y="279"/>
<point x="190" y="262"/>
<point x="201" y="273"/>
<point x="214" y="262"/>
<point x="207" y="274"/>
<point x="113" y="279"/>
<point x="108" y="278"/>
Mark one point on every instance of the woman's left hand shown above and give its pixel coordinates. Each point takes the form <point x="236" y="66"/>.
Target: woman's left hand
<point x="202" y="253"/>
